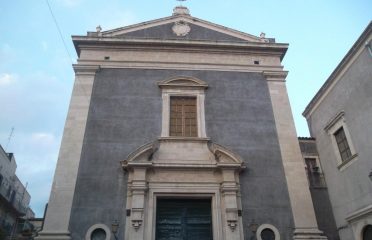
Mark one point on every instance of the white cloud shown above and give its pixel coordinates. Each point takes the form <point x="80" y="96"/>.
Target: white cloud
<point x="7" y="79"/>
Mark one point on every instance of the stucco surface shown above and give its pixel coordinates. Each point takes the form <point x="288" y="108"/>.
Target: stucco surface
<point x="125" y="113"/>
<point x="351" y="94"/>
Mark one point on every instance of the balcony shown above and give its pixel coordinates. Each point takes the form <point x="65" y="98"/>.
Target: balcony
<point x="316" y="178"/>
<point x="11" y="202"/>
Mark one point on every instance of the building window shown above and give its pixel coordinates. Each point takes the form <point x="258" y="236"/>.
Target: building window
<point x="183" y="117"/>
<point x="183" y="107"/>
<point x="341" y="141"/>
<point x="342" y="144"/>
<point x="367" y="232"/>
<point x="98" y="232"/>
<point x="267" y="232"/>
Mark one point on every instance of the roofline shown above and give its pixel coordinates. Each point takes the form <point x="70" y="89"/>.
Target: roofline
<point x="335" y="74"/>
<point x="281" y="48"/>
<point x="194" y="19"/>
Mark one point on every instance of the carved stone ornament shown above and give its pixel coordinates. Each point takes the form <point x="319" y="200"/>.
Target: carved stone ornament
<point x="181" y="28"/>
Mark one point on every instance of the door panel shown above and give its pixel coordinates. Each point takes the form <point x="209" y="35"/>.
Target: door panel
<point x="183" y="219"/>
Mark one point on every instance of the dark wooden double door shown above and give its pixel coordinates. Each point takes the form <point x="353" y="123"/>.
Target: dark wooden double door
<point x="183" y="219"/>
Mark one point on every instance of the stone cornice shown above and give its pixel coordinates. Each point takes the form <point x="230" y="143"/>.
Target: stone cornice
<point x="82" y="42"/>
<point x="359" y="213"/>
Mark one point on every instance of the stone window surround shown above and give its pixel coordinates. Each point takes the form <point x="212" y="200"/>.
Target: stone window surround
<point x="195" y="88"/>
<point x="331" y="128"/>
<point x="267" y="226"/>
<point x="98" y="226"/>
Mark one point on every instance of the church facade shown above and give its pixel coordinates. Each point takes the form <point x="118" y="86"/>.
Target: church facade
<point x="179" y="128"/>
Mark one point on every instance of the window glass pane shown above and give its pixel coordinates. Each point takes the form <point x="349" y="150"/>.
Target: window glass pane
<point x="183" y="116"/>
<point x="342" y="144"/>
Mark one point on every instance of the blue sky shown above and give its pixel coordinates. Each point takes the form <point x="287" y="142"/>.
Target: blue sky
<point x="36" y="76"/>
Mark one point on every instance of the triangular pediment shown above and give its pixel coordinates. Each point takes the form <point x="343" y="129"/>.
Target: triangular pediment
<point x="181" y="27"/>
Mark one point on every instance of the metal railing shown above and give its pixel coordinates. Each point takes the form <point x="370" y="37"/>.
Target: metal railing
<point x="316" y="179"/>
<point x="12" y="199"/>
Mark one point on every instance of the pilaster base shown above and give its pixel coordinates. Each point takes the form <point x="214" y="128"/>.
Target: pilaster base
<point x="308" y="234"/>
<point x="53" y="236"/>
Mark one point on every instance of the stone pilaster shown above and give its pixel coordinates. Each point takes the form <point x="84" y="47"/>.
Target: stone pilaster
<point x="229" y="189"/>
<point x="61" y="197"/>
<point x="302" y="207"/>
<point x="138" y="189"/>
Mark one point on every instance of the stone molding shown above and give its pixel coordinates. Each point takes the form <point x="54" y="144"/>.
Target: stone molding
<point x="269" y="226"/>
<point x="183" y="86"/>
<point x="359" y="214"/>
<point x="165" y="168"/>
<point x="337" y="122"/>
<point x="183" y="82"/>
<point x="275" y="76"/>
<point x="97" y="226"/>
<point x="186" y="18"/>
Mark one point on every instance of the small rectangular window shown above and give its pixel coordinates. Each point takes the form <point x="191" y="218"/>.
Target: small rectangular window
<point x="183" y="117"/>
<point x="342" y="144"/>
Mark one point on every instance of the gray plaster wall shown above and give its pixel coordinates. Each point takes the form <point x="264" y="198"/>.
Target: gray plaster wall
<point x="319" y="193"/>
<point x="126" y="113"/>
<point x="165" y="32"/>
<point x="351" y="94"/>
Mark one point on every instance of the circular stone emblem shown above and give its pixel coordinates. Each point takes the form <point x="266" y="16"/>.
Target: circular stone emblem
<point x="181" y="28"/>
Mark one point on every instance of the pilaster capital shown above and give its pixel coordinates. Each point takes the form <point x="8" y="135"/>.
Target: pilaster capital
<point x="86" y="69"/>
<point x="276" y="76"/>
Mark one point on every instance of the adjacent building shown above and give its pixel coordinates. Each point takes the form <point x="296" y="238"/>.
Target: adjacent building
<point x="340" y="119"/>
<point x="318" y="188"/>
<point x="179" y="128"/>
<point x="14" y="197"/>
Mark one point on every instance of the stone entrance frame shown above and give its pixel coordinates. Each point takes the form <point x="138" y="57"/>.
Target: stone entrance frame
<point x="183" y="168"/>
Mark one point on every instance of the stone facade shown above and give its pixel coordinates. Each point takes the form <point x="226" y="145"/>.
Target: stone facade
<point x="344" y="104"/>
<point x="118" y="158"/>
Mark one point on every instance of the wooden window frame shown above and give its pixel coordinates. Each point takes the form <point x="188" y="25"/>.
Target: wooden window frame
<point x="183" y="117"/>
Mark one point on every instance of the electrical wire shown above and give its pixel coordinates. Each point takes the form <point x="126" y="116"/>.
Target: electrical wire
<point x="59" y="31"/>
<point x="81" y="85"/>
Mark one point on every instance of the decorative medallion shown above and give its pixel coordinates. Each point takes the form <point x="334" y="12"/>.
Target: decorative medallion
<point x="181" y="28"/>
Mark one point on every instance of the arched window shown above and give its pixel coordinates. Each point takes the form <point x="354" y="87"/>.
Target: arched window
<point x="98" y="234"/>
<point x="367" y="232"/>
